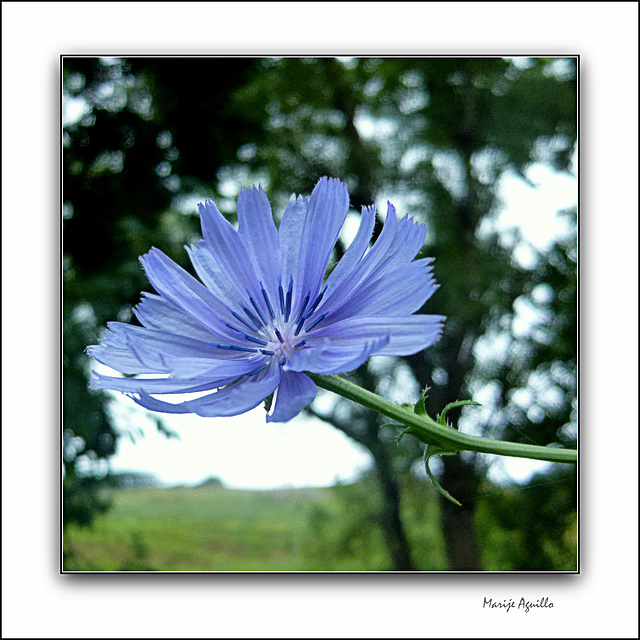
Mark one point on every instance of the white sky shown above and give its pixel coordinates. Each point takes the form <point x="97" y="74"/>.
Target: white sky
<point x="246" y="452"/>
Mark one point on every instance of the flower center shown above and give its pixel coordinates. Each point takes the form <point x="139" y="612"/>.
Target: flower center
<point x="280" y="336"/>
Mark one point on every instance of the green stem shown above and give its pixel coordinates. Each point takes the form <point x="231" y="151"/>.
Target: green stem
<point x="430" y="432"/>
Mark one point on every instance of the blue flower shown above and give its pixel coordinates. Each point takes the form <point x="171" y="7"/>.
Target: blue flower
<point x="266" y="313"/>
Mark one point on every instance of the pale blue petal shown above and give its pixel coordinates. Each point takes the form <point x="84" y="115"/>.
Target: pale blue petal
<point x="328" y="208"/>
<point x="116" y="351"/>
<point x="343" y="358"/>
<point x="329" y="356"/>
<point x="409" y="240"/>
<point x="155" y="385"/>
<point x="212" y="275"/>
<point x="154" y="341"/>
<point x="213" y="369"/>
<point x="156" y="313"/>
<point x="363" y="270"/>
<point x="295" y="392"/>
<point x="229" y="251"/>
<point x="230" y="401"/>
<point x="260" y="237"/>
<point x="355" y="251"/>
<point x="184" y="291"/>
<point x="406" y="335"/>
<point x="123" y="360"/>
<point x="399" y="293"/>
<point x="306" y="359"/>
<point x="290" y="234"/>
<point x="153" y="404"/>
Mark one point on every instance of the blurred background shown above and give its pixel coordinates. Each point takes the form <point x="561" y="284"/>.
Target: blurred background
<point x="482" y="150"/>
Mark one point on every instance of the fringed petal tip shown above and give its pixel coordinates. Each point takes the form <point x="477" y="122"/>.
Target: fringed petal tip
<point x="94" y="381"/>
<point x="254" y="187"/>
<point x="439" y="321"/>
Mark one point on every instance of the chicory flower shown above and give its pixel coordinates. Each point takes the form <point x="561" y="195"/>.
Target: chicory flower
<point x="264" y="312"/>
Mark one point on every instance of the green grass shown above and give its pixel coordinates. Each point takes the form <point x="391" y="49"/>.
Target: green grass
<point x="184" y="529"/>
<point x="331" y="529"/>
<point x="218" y="529"/>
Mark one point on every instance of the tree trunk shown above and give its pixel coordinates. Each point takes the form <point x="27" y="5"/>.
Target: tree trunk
<point x="458" y="522"/>
<point x="390" y="520"/>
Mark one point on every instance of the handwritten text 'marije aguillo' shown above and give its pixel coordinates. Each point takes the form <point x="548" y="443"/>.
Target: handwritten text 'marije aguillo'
<point x="522" y="605"/>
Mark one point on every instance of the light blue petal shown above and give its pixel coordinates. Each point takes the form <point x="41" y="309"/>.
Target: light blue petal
<point x="290" y="234"/>
<point x="355" y="251"/>
<point x="363" y="270"/>
<point x="406" y="335"/>
<point x="328" y="208"/>
<point x="189" y="295"/>
<point x="154" y="385"/>
<point x="212" y="275"/>
<point x="156" y="313"/>
<point x="116" y="351"/>
<point x="306" y="359"/>
<point x="154" y="341"/>
<point x="294" y="393"/>
<point x="342" y="358"/>
<point x="230" y="401"/>
<point x="258" y="233"/>
<point x="123" y="360"/>
<point x="153" y="404"/>
<point x="399" y="293"/>
<point x="213" y="369"/>
<point x="229" y="251"/>
<point x="329" y="357"/>
<point x="409" y="240"/>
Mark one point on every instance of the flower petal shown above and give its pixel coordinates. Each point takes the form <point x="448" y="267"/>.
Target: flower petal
<point x="258" y="233"/>
<point x="355" y="251"/>
<point x="407" y="335"/>
<point x="294" y="393"/>
<point x="290" y="234"/>
<point x="399" y="293"/>
<point x="329" y="358"/>
<point x="122" y="359"/>
<point x="328" y="208"/>
<point x="343" y="359"/>
<point x="306" y="359"/>
<point x="213" y="369"/>
<point x="229" y="251"/>
<point x="122" y="335"/>
<point x="186" y="293"/>
<point x="212" y="275"/>
<point x="409" y="239"/>
<point x="363" y="269"/>
<point x="230" y="401"/>
<point x="154" y="312"/>
<point x="154" y="385"/>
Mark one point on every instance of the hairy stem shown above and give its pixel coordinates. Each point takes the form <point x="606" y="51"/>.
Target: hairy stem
<point x="430" y="432"/>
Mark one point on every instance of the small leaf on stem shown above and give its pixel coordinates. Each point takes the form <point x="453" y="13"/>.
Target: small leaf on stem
<point x="428" y="453"/>
<point x="452" y="405"/>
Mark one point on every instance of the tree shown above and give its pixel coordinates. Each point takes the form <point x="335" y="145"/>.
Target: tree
<point x="454" y="128"/>
<point x="134" y="143"/>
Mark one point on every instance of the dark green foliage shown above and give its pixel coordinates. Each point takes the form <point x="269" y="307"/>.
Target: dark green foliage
<point x="531" y="528"/>
<point x="122" y="170"/>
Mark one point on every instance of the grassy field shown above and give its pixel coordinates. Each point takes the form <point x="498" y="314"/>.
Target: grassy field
<point x="218" y="529"/>
<point x="330" y="529"/>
